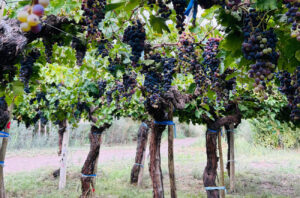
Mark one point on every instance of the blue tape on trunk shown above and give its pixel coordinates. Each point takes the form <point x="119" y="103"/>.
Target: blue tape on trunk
<point x="167" y="123"/>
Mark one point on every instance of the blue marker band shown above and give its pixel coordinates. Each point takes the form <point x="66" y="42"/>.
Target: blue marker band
<point x="167" y="123"/>
<point x="214" y="131"/>
<point x="4" y="134"/>
<point x="93" y="175"/>
<point x="2" y="163"/>
<point x="216" y="188"/>
<point x="141" y="165"/>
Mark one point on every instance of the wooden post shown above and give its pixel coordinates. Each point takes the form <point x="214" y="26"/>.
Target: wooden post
<point x="2" y="7"/>
<point x="3" y="153"/>
<point x="221" y="164"/>
<point x="232" y="162"/>
<point x="171" y="154"/>
<point x="96" y="167"/>
<point x="141" y="173"/>
<point x="63" y="161"/>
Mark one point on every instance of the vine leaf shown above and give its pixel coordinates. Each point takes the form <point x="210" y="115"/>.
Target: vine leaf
<point x="266" y="4"/>
<point x="114" y="6"/>
<point x="159" y="24"/>
<point x="297" y="55"/>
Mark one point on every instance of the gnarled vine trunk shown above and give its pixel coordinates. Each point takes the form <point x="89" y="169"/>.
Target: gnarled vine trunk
<point x="62" y="129"/>
<point x="89" y="167"/>
<point x="155" y="161"/>
<point x="140" y="152"/>
<point x="210" y="171"/>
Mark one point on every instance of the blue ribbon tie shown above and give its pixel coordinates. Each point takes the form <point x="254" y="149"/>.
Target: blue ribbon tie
<point x="2" y="163"/>
<point x="214" y="131"/>
<point x="4" y="134"/>
<point x="216" y="188"/>
<point x="167" y="123"/>
<point x="192" y="4"/>
<point x="93" y="175"/>
<point x="141" y="165"/>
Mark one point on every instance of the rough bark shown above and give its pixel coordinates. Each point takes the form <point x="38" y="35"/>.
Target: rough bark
<point x="89" y="166"/>
<point x="155" y="161"/>
<point x="62" y="129"/>
<point x="3" y="153"/>
<point x="140" y="152"/>
<point x="210" y="171"/>
<point x="228" y="150"/>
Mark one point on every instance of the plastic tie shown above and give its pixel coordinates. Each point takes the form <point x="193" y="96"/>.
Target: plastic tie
<point x="141" y="165"/>
<point x="93" y="175"/>
<point x="214" y="131"/>
<point x="167" y="123"/>
<point x="216" y="188"/>
<point x="193" y="5"/>
<point x="144" y="124"/>
<point x="4" y="134"/>
<point x="2" y="163"/>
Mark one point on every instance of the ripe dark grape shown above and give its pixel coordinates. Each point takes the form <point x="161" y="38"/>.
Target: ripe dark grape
<point x="135" y="36"/>
<point x="260" y="46"/>
<point x="94" y="13"/>
<point x="168" y="71"/>
<point x="293" y="16"/>
<point x="290" y="86"/>
<point x="80" y="48"/>
<point x="211" y="62"/>
<point x="180" y="6"/>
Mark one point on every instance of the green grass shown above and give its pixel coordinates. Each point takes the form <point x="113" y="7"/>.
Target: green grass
<point x="260" y="172"/>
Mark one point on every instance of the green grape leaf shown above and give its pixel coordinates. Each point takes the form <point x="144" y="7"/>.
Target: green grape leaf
<point x="266" y="4"/>
<point x="158" y="24"/>
<point x="297" y="55"/>
<point x="114" y="6"/>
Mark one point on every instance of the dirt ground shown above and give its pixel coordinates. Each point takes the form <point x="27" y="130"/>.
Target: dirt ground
<point x="18" y="163"/>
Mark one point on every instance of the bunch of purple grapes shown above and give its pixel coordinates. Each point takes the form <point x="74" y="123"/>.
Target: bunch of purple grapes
<point x="94" y="13"/>
<point x="293" y="15"/>
<point x="290" y="86"/>
<point x="135" y="36"/>
<point x="168" y="72"/>
<point x="180" y="6"/>
<point x="259" y="46"/>
<point x="80" y="48"/>
<point x="211" y="62"/>
<point x="163" y="10"/>
<point x="26" y="69"/>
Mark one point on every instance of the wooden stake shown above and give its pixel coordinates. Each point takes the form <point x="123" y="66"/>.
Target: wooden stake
<point x="3" y="153"/>
<point x="171" y="154"/>
<point x="221" y="165"/>
<point x="232" y="162"/>
<point x="96" y="166"/>
<point x="63" y="161"/>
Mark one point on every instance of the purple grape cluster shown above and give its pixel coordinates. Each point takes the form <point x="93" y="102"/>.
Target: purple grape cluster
<point x="259" y="46"/>
<point x="293" y="15"/>
<point x="290" y="86"/>
<point x="135" y="36"/>
<point x="168" y="72"/>
<point x="94" y="13"/>
<point x="180" y="6"/>
<point x="211" y="62"/>
<point x="26" y="69"/>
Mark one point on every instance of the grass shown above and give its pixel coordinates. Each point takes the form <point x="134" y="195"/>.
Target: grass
<point x="260" y="172"/>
